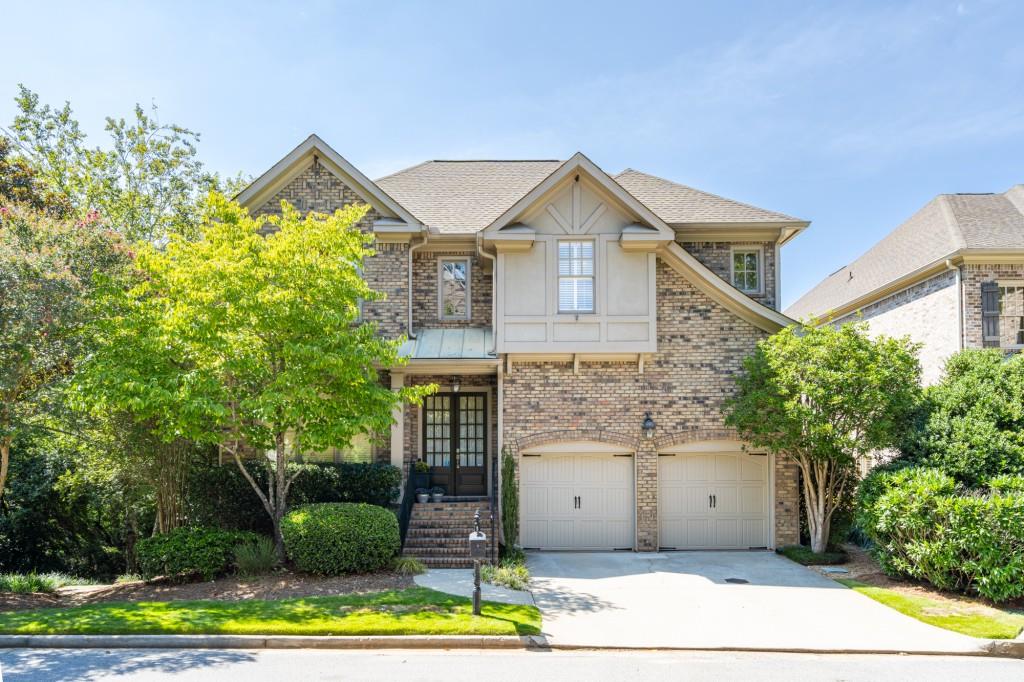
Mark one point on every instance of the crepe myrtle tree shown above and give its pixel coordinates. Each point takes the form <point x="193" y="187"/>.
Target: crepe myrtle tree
<point x="826" y="396"/>
<point x="251" y="342"/>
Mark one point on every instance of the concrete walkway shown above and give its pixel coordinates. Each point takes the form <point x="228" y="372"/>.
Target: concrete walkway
<point x="691" y="600"/>
<point x="459" y="581"/>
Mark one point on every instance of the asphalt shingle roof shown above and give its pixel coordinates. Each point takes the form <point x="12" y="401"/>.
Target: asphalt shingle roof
<point x="676" y="203"/>
<point x="467" y="196"/>
<point x="945" y="225"/>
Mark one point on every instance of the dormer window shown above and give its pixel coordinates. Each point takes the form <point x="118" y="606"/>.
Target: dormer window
<point x="576" y="277"/>
<point x="747" y="270"/>
<point x="453" y="289"/>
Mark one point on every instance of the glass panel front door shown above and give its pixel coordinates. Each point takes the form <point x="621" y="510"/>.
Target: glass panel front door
<point x="455" y="442"/>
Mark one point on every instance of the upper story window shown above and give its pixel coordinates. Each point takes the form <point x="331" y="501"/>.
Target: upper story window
<point x="576" y="277"/>
<point x="747" y="270"/>
<point x="1003" y="314"/>
<point x="453" y="289"/>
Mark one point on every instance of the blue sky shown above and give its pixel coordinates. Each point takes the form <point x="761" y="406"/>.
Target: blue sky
<point x="851" y="115"/>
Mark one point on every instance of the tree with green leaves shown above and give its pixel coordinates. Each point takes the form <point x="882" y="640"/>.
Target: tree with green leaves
<point x="250" y="342"/>
<point x="147" y="183"/>
<point x="826" y="397"/>
<point x="49" y="268"/>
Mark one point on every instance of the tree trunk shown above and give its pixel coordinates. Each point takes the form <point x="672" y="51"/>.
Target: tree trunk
<point x="5" y="460"/>
<point x="275" y="499"/>
<point x="818" y="502"/>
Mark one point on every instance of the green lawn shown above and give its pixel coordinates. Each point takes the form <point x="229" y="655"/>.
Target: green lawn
<point x="975" y="620"/>
<point x="416" y="611"/>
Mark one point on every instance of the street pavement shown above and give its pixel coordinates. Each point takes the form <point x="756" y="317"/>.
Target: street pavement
<point x="38" y="665"/>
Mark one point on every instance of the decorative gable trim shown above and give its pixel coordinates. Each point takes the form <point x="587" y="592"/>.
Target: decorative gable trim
<point x="284" y="171"/>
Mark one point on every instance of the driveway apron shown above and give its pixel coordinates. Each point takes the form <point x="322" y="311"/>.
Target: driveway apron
<point x="734" y="600"/>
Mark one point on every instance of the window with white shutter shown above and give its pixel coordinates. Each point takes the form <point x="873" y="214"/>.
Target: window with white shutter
<point x="576" y="277"/>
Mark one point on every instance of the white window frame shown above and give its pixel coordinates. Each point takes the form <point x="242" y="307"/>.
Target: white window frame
<point x="440" y="287"/>
<point x="1001" y="284"/>
<point x="748" y="248"/>
<point x="559" y="277"/>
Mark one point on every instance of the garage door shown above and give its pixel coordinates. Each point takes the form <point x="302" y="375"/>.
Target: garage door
<point x="576" y="501"/>
<point x="714" y="500"/>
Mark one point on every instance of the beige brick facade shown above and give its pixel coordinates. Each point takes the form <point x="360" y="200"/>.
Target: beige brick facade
<point x="717" y="257"/>
<point x="701" y="346"/>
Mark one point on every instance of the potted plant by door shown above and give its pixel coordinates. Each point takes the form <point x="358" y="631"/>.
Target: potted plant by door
<point x="422" y="495"/>
<point x="421" y="473"/>
<point x="436" y="494"/>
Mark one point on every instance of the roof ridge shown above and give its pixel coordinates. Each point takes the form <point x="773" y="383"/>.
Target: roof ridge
<point x="710" y="194"/>
<point x="495" y="161"/>
<point x="952" y="222"/>
<point x="403" y="170"/>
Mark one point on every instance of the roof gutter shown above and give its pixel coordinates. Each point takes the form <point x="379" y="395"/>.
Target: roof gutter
<point x="413" y="247"/>
<point x="959" y="302"/>
<point x="494" y="289"/>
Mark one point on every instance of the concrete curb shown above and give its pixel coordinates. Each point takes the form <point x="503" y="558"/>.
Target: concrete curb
<point x="269" y="642"/>
<point x="1013" y="648"/>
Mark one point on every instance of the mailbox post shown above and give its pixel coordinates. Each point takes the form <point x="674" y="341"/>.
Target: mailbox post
<point x="477" y="551"/>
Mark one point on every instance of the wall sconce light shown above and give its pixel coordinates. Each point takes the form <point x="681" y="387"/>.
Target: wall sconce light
<point x="455" y="384"/>
<point x="648" y="426"/>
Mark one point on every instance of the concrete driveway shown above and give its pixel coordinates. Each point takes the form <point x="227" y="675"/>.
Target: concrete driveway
<point x="692" y="600"/>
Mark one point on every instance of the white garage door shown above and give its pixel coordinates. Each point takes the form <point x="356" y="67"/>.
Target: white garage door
<point x="576" y="501"/>
<point x="714" y="500"/>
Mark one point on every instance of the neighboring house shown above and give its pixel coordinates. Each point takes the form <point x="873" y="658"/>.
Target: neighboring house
<point x="557" y="307"/>
<point x="951" y="277"/>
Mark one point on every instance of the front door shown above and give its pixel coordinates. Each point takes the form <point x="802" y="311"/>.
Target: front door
<point x="455" y="442"/>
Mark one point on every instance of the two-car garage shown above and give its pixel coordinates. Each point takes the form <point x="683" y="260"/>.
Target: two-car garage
<point x="583" y="497"/>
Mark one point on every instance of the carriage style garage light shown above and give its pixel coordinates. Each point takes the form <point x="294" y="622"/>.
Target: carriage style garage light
<point x="455" y="384"/>
<point x="648" y="426"/>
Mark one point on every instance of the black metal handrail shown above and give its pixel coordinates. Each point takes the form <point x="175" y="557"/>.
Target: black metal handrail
<point x="405" y="507"/>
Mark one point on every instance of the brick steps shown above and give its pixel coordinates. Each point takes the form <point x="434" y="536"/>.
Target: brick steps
<point x="438" y="533"/>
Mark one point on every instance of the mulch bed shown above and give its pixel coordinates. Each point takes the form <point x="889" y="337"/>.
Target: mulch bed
<point x="284" y="585"/>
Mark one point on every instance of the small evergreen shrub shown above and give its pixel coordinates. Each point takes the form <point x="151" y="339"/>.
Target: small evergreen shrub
<point x="187" y="552"/>
<point x="407" y="565"/>
<point x="255" y="558"/>
<point x="923" y="525"/>
<point x="332" y="539"/>
<point x="509" y="500"/>
<point x="28" y="583"/>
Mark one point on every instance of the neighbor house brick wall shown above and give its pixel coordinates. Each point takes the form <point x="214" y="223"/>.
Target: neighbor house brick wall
<point x="717" y="257"/>
<point x="318" y="189"/>
<point x="927" y="313"/>
<point x="973" y="276"/>
<point x="425" y="302"/>
<point x="701" y="346"/>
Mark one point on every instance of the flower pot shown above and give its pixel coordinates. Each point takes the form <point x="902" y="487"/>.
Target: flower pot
<point x="436" y="497"/>
<point x="422" y="498"/>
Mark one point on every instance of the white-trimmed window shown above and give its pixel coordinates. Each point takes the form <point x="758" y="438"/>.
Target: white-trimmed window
<point x="454" y="302"/>
<point x="747" y="269"/>
<point x="1011" y="314"/>
<point x="360" y="450"/>
<point x="576" y="276"/>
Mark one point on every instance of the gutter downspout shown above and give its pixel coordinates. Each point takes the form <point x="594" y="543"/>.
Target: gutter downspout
<point x="959" y="303"/>
<point x="413" y="247"/>
<point x="494" y="289"/>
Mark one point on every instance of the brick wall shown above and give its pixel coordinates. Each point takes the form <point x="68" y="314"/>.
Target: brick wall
<point x="425" y="306"/>
<point x="927" y="313"/>
<point x="701" y="346"/>
<point x="717" y="257"/>
<point x="317" y="189"/>
<point x="973" y="276"/>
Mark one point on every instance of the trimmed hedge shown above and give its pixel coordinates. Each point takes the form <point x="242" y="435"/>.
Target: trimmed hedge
<point x="186" y="552"/>
<point x="925" y="526"/>
<point x="219" y="496"/>
<point x="331" y="539"/>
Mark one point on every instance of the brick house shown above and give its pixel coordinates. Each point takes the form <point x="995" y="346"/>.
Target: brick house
<point x="560" y="310"/>
<point x="950" y="277"/>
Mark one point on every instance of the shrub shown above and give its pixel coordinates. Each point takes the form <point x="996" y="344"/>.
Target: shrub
<point x="407" y="565"/>
<point x="509" y="573"/>
<point x="27" y="583"/>
<point x="509" y="500"/>
<point x="923" y="525"/>
<point x="803" y="555"/>
<point x="219" y="496"/>
<point x="331" y="539"/>
<point x="187" y="552"/>
<point x="255" y="558"/>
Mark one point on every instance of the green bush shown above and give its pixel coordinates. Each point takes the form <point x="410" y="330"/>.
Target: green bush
<point x="803" y="555"/>
<point x="509" y="500"/>
<point x="28" y="583"/>
<point x="255" y="558"/>
<point x="331" y="539"/>
<point x="187" y="552"/>
<point x="407" y="565"/>
<point x="923" y="525"/>
<point x="219" y="496"/>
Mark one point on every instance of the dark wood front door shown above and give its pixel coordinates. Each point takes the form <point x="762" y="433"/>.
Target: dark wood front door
<point x="455" y="442"/>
